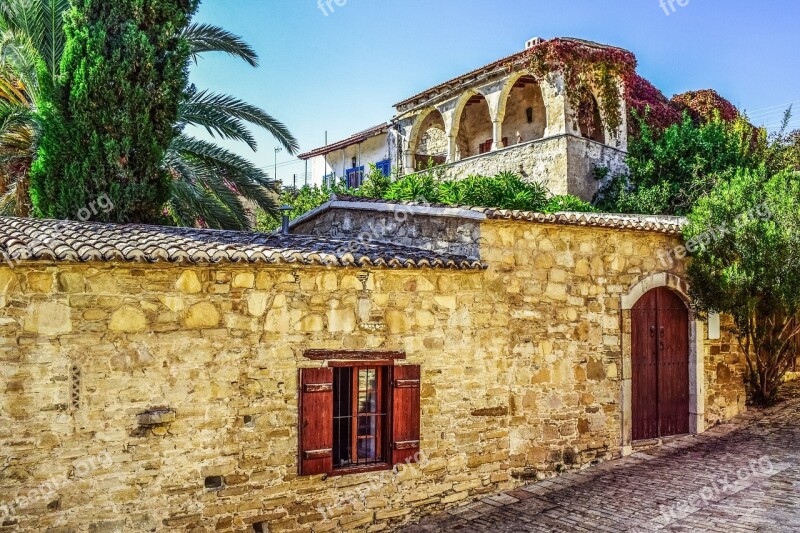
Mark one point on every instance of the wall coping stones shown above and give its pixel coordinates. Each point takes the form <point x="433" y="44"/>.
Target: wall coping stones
<point x="670" y="225"/>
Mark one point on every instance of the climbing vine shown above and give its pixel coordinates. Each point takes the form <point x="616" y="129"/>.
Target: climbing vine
<point x="587" y="67"/>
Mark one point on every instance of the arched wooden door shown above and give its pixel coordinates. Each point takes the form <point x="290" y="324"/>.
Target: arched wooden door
<point x="660" y="365"/>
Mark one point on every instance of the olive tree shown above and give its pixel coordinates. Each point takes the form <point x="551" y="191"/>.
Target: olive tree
<point x="745" y="243"/>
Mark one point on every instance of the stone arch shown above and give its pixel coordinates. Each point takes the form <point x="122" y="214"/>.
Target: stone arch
<point x="590" y="120"/>
<point x="696" y="360"/>
<point x="428" y="140"/>
<point x="662" y="279"/>
<point x="472" y="126"/>
<point x="522" y="110"/>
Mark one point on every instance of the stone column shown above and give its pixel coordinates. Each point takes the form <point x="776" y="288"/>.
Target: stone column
<point x="452" y="149"/>
<point x="408" y="162"/>
<point x="497" y="128"/>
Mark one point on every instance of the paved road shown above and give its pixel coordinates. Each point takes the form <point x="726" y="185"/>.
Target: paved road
<point x="737" y="477"/>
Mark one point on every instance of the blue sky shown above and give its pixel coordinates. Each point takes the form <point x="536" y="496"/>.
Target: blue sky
<point x="343" y="72"/>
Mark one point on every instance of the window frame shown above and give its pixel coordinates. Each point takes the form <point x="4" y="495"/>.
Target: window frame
<point x="384" y="432"/>
<point x="385" y="167"/>
<point x="356" y="174"/>
<point x="335" y="359"/>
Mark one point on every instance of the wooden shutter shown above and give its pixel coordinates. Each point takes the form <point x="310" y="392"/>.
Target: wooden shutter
<point x="406" y="413"/>
<point x="316" y="421"/>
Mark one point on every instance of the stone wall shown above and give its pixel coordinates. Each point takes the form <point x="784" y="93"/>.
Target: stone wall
<point x="444" y="234"/>
<point x="520" y="364"/>
<point x="564" y="164"/>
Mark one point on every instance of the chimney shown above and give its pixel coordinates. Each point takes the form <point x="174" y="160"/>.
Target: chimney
<point x="285" y="219"/>
<point x="533" y="42"/>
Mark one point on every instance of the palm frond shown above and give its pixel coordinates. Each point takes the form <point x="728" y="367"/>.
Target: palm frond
<point x="190" y="203"/>
<point x="239" y="175"/>
<point x="53" y="37"/>
<point x="205" y="109"/>
<point x="197" y="111"/>
<point x="8" y="200"/>
<point x="224" y="175"/>
<point x="208" y="38"/>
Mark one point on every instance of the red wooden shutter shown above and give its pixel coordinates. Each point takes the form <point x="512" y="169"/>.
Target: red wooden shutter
<point x="406" y="413"/>
<point x="316" y="421"/>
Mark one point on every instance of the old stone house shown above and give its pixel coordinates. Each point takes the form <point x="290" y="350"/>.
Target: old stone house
<point x="500" y="117"/>
<point x="382" y="362"/>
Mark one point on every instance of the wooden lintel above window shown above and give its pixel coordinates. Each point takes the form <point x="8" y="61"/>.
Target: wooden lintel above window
<point x="352" y="355"/>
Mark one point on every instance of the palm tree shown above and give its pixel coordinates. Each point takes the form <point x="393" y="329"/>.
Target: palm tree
<point x="30" y="31"/>
<point x="212" y="186"/>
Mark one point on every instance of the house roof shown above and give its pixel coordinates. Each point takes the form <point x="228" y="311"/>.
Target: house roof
<point x="513" y="58"/>
<point x="654" y="223"/>
<point x="350" y="141"/>
<point x="24" y="239"/>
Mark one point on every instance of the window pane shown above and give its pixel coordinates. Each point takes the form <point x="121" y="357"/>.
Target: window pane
<point x="342" y="416"/>
<point x="359" y="416"/>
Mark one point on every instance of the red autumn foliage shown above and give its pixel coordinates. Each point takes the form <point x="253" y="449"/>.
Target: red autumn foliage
<point x="702" y="105"/>
<point x="648" y="102"/>
<point x="586" y="66"/>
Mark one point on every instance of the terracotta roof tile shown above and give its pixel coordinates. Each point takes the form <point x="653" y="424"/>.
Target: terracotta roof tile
<point x="35" y="239"/>
<point x="511" y="59"/>
<point x="353" y="139"/>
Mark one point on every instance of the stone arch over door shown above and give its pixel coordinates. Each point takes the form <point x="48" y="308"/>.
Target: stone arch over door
<point x="679" y="288"/>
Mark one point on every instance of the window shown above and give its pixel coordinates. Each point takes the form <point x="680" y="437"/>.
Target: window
<point x="358" y="415"/>
<point x="355" y="176"/>
<point x="385" y="167"/>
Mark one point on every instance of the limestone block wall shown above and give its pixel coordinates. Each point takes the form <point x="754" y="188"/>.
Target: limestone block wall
<point x="521" y="368"/>
<point x="565" y="164"/>
<point x="584" y="158"/>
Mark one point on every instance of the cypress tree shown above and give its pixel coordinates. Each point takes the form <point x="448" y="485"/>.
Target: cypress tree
<point x="110" y="116"/>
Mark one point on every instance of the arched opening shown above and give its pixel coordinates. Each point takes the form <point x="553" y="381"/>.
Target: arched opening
<point x="525" y="113"/>
<point x="430" y="143"/>
<point x="590" y="120"/>
<point x="660" y="345"/>
<point x="475" y="132"/>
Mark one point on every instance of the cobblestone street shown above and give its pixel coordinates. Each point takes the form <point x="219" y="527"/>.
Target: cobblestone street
<point x="740" y="476"/>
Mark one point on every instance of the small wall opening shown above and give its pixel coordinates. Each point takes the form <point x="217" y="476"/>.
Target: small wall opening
<point x="590" y="120"/>
<point x="214" y="482"/>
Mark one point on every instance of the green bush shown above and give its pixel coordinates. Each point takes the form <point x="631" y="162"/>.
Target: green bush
<point x="504" y="191"/>
<point x="670" y="170"/>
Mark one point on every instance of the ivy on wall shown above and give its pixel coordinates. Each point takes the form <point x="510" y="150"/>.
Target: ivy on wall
<point x="587" y="67"/>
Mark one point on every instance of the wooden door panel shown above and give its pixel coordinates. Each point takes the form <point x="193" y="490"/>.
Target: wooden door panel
<point x="660" y="365"/>
<point x="645" y="368"/>
<point x="673" y="323"/>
